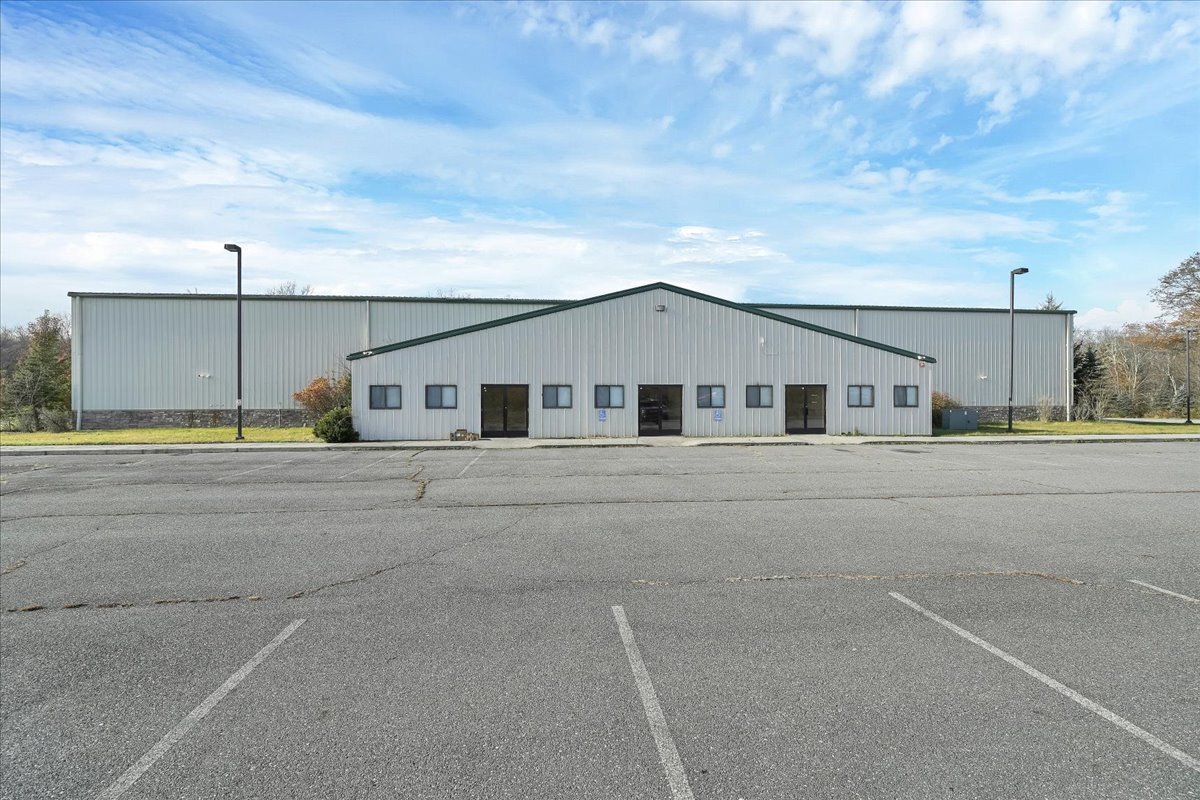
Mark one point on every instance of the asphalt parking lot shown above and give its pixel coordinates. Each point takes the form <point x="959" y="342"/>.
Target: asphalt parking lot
<point x="1010" y="621"/>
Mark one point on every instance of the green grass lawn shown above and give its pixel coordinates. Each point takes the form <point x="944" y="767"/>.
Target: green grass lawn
<point x="158" y="436"/>
<point x="1021" y="428"/>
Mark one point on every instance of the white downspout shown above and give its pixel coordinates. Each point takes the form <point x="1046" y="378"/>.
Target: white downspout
<point x="76" y="361"/>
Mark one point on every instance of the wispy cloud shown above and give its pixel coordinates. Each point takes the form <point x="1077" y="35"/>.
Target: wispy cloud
<point x="831" y="151"/>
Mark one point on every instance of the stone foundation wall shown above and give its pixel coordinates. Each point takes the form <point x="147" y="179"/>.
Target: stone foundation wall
<point x="195" y="418"/>
<point x="1000" y="413"/>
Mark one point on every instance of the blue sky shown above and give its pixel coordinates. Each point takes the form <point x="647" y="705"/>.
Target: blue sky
<point x="765" y="152"/>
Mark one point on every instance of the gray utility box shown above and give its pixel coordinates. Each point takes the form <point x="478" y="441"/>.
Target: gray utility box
<point x="960" y="419"/>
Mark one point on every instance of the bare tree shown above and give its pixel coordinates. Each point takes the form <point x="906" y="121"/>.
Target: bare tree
<point x="1178" y="292"/>
<point x="290" y="288"/>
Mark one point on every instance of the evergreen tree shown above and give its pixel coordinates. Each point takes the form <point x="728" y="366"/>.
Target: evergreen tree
<point x="1089" y="371"/>
<point x="1051" y="303"/>
<point x="41" y="380"/>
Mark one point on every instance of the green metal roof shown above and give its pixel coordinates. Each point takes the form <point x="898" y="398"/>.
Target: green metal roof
<point x="387" y="298"/>
<point x="970" y="310"/>
<point x="520" y="301"/>
<point x="541" y="312"/>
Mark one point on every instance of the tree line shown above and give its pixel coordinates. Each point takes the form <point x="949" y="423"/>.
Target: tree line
<point x="1133" y="371"/>
<point x="1141" y="369"/>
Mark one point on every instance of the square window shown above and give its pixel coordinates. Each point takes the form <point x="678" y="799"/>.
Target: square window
<point x="385" y="397"/>
<point x="710" y="397"/>
<point x="441" y="396"/>
<point x="759" y="396"/>
<point x="905" y="396"/>
<point x="556" y="396"/>
<point x="860" y="396"/>
<point x="610" y="396"/>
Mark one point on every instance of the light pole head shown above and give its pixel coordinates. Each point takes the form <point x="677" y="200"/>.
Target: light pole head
<point x="233" y="248"/>
<point x="1017" y="271"/>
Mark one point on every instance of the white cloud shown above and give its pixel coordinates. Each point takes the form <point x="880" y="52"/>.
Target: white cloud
<point x="712" y="62"/>
<point x="722" y="150"/>
<point x="696" y="244"/>
<point x="1127" y="311"/>
<point x="1114" y="215"/>
<point x="943" y="140"/>
<point x="1004" y="52"/>
<point x="661" y="45"/>
<point x="832" y="35"/>
<point x="908" y="228"/>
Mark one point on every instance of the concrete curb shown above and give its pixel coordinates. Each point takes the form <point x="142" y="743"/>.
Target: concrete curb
<point x="550" y="444"/>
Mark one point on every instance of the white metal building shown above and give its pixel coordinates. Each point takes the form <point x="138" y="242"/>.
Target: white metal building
<point x="656" y="359"/>
<point x="154" y="359"/>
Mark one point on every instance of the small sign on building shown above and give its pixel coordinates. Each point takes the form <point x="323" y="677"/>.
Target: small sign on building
<point x="602" y="414"/>
<point x="718" y="415"/>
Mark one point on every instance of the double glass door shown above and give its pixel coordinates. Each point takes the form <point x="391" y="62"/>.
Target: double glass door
<point x="505" y="410"/>
<point x="804" y="408"/>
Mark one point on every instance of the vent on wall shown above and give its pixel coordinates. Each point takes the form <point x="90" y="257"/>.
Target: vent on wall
<point x="660" y="307"/>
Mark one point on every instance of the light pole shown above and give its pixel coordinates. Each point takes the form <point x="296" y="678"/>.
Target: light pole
<point x="1012" y="335"/>
<point x="237" y="248"/>
<point x="1187" y="338"/>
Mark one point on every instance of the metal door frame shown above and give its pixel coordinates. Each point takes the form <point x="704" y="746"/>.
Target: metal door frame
<point x="660" y="431"/>
<point x="506" y="433"/>
<point x="804" y="387"/>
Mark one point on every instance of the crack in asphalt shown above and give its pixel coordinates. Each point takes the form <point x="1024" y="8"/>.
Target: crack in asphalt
<point x="67" y="488"/>
<point x="410" y="562"/>
<point x="410" y="503"/>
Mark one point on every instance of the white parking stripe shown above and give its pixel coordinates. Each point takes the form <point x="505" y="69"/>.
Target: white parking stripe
<point x="131" y="775"/>
<point x="1164" y="591"/>
<point x="1065" y="691"/>
<point x="373" y="463"/>
<point x="676" y="777"/>
<point x="256" y="469"/>
<point x="468" y="466"/>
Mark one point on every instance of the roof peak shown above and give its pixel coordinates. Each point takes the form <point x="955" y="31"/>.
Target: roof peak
<point x="557" y="309"/>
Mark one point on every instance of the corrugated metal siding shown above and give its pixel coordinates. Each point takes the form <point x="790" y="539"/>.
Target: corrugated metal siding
<point x="972" y="350"/>
<point x="162" y="354"/>
<point x="133" y="353"/>
<point x="399" y="321"/>
<point x="286" y="345"/>
<point x="625" y="341"/>
<point x="839" y="319"/>
<point x="147" y="353"/>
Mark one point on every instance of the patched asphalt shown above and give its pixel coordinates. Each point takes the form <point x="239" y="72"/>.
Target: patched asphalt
<point x="459" y="639"/>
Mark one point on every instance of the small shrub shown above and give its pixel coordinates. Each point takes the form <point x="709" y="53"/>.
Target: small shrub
<point x="336" y="425"/>
<point x="324" y="394"/>
<point x="57" y="420"/>
<point x="24" y="420"/>
<point x="942" y="402"/>
<point x="1045" y="407"/>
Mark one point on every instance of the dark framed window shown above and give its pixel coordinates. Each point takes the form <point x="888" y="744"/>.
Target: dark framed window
<point x="860" y="396"/>
<point x="759" y="396"/>
<point x="441" y="397"/>
<point x="610" y="396"/>
<point x="385" y="397"/>
<point x="556" y="396"/>
<point x="904" y="396"/>
<point x="710" y="397"/>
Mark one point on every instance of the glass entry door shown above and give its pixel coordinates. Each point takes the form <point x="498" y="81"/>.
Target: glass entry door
<point x="505" y="410"/>
<point x="804" y="408"/>
<point x="660" y="410"/>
